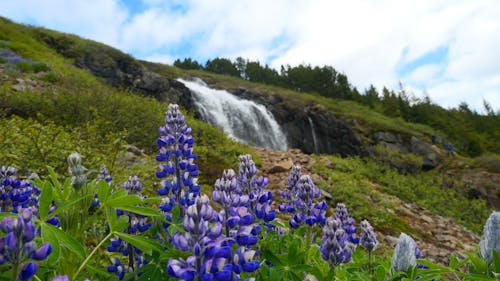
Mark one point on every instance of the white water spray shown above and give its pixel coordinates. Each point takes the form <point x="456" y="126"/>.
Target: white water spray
<point x="313" y="131"/>
<point x="243" y="120"/>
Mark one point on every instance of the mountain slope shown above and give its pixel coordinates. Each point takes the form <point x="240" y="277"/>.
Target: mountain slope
<point x="89" y="97"/>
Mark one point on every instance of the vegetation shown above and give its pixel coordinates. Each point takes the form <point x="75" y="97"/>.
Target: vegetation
<point x="64" y="109"/>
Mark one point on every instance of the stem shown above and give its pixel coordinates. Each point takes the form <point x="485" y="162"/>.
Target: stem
<point x="332" y="272"/>
<point x="15" y="271"/>
<point x="91" y="254"/>
<point x="309" y="236"/>
<point x="370" y="264"/>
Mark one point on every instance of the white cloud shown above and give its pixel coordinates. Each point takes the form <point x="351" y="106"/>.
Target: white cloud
<point x="98" y="20"/>
<point x="371" y="41"/>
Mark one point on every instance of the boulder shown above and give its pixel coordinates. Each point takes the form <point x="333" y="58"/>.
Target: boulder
<point x="430" y="156"/>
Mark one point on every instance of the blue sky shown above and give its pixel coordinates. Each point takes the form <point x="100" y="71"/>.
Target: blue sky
<point x="447" y="49"/>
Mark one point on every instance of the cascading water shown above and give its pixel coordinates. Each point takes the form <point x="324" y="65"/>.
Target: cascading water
<point x="241" y="119"/>
<point x="313" y="131"/>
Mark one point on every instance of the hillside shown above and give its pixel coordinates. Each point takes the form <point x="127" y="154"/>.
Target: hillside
<point x="60" y="93"/>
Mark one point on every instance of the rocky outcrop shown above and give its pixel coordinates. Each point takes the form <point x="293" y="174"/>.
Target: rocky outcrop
<point x="117" y="68"/>
<point x="430" y="155"/>
<point x="310" y="128"/>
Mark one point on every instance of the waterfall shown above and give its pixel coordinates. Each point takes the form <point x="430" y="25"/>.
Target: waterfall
<point x="243" y="120"/>
<point x="313" y="131"/>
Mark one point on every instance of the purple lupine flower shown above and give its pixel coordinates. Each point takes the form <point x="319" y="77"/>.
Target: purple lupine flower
<point x="104" y="174"/>
<point x="117" y="268"/>
<point x="15" y="192"/>
<point x="18" y="244"/>
<point x="334" y="247"/>
<point x="133" y="185"/>
<point x="260" y="199"/>
<point x="405" y="254"/>
<point x="291" y="185"/>
<point x="28" y="271"/>
<point x="203" y="238"/>
<point x="491" y="237"/>
<point x="368" y="237"/>
<point x="137" y="224"/>
<point x="177" y="158"/>
<point x="303" y="198"/>
<point x="244" y="260"/>
<point x="342" y="214"/>
<point x="76" y="170"/>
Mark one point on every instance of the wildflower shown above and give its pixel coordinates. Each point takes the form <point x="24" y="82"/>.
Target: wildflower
<point x="104" y="174"/>
<point x="203" y="238"/>
<point x="334" y="248"/>
<point x="491" y="237"/>
<point x="16" y="193"/>
<point x="77" y="171"/>
<point x="18" y="244"/>
<point x="405" y="254"/>
<point x="176" y="153"/>
<point x="368" y="237"/>
<point x="303" y="199"/>
<point x="137" y="224"/>
<point x="342" y="214"/>
<point x="290" y="186"/>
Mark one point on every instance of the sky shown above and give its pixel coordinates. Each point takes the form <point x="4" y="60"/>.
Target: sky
<point x="446" y="49"/>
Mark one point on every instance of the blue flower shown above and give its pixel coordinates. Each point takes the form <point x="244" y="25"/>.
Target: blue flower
<point x="334" y="247"/>
<point x="368" y="237"/>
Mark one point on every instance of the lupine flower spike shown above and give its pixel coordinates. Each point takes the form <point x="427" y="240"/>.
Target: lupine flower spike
<point x="404" y="256"/>
<point x="18" y="245"/>
<point x="368" y="237"/>
<point x="491" y="237"/>
<point x="334" y="247"/>
<point x="15" y="192"/>
<point x="77" y="171"/>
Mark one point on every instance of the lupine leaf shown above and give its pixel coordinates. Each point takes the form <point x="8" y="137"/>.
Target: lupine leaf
<point x="45" y="201"/>
<point x="151" y="272"/>
<point x="144" y="244"/>
<point x="64" y="239"/>
<point x="48" y="236"/>
<point x="120" y="199"/>
<point x="272" y="258"/>
<point x="496" y="262"/>
<point x="103" y="191"/>
<point x="145" y="211"/>
<point x="380" y="273"/>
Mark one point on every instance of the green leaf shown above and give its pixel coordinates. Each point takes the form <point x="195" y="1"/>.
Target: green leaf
<point x="48" y="236"/>
<point x="145" y="211"/>
<point x="144" y="244"/>
<point x="121" y="223"/>
<point x="112" y="219"/>
<point x="176" y="212"/>
<point x="271" y="257"/>
<point x="151" y="272"/>
<point x="122" y="201"/>
<point x="275" y="273"/>
<point x="64" y="239"/>
<point x="45" y="201"/>
<point x="61" y="208"/>
<point x="453" y="261"/>
<point x="496" y="262"/>
<point x="380" y="273"/>
<point x="103" y="191"/>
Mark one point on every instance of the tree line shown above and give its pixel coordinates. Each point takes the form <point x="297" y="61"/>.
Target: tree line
<point x="474" y="133"/>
